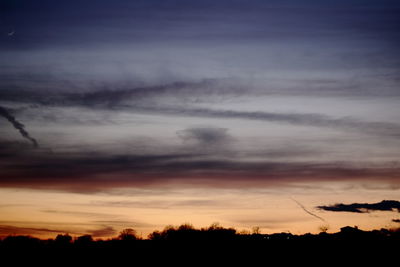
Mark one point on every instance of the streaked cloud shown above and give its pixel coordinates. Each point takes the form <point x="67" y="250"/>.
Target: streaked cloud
<point x="102" y="232"/>
<point x="93" y="171"/>
<point x="120" y="100"/>
<point x="6" y="230"/>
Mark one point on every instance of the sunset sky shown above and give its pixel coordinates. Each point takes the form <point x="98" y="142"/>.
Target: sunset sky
<point x="145" y="113"/>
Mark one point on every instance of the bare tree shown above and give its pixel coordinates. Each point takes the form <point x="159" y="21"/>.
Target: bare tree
<point x="323" y="228"/>
<point x="255" y="230"/>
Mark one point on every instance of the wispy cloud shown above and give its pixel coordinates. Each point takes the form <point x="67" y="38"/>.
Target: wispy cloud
<point x="6" y="230"/>
<point x="103" y="232"/>
<point x="160" y="204"/>
<point x="141" y="100"/>
<point x="81" y="213"/>
<point x="317" y="120"/>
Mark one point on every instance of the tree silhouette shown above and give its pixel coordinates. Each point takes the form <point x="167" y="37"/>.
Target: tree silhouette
<point x="84" y="240"/>
<point x="323" y="228"/>
<point x="128" y="234"/>
<point x="63" y="240"/>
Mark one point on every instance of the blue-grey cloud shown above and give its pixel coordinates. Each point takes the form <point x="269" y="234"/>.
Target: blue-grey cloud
<point x="113" y="56"/>
<point x="310" y="119"/>
<point x="137" y="100"/>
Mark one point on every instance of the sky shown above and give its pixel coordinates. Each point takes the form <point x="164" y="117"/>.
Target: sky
<point x="146" y="113"/>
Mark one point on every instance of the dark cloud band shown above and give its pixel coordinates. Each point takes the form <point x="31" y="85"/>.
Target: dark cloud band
<point x="90" y="171"/>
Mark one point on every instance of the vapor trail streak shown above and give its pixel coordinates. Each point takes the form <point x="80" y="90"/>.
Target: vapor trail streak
<point x="309" y="212"/>
<point x="17" y="125"/>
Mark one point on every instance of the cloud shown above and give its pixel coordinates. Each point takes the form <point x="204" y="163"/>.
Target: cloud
<point x="12" y="148"/>
<point x="301" y="119"/>
<point x="103" y="232"/>
<point x="270" y="223"/>
<point x="6" y="230"/>
<point x="205" y="136"/>
<point x="384" y="205"/>
<point x="160" y="204"/>
<point x="149" y="100"/>
<point x="112" y="96"/>
<point x="138" y="78"/>
<point x="123" y="223"/>
<point x="88" y="171"/>
<point x="81" y="214"/>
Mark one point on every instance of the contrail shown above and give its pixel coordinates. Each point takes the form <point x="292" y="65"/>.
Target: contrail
<point x="309" y="212"/>
<point x="17" y="125"/>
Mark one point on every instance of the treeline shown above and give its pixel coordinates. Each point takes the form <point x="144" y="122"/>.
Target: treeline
<point x="215" y="245"/>
<point x="187" y="233"/>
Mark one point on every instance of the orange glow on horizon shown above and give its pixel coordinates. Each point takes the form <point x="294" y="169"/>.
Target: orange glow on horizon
<point x="45" y="214"/>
